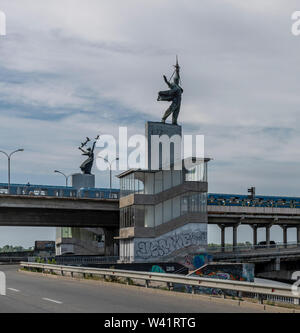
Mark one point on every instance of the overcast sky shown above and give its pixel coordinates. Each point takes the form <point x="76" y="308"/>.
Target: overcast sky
<point x="71" y="69"/>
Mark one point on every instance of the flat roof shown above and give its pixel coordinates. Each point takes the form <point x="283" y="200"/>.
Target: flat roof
<point x="194" y="160"/>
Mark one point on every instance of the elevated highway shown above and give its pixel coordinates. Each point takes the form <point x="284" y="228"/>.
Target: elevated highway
<point x="51" y="211"/>
<point x="38" y="211"/>
<point x="60" y="211"/>
<point x="256" y="217"/>
<point x="231" y="215"/>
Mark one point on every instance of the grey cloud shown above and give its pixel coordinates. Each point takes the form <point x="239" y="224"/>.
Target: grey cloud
<point x="92" y="65"/>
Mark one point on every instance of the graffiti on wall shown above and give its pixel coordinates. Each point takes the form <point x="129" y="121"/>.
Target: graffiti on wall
<point x="248" y="272"/>
<point x="157" y="269"/>
<point x="236" y="272"/>
<point x="169" y="243"/>
<point x="193" y="262"/>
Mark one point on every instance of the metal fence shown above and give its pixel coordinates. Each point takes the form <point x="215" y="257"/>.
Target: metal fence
<point x="79" y="260"/>
<point x="250" y="247"/>
<point x="85" y="260"/>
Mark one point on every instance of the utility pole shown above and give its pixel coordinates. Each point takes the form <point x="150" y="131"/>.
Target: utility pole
<point x="9" y="163"/>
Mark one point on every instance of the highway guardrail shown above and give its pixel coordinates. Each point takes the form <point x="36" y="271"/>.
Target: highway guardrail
<point x="239" y="286"/>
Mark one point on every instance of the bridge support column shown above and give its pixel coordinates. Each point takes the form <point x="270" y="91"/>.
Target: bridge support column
<point x="222" y="227"/>
<point x="109" y="242"/>
<point x="234" y="237"/>
<point x="268" y="228"/>
<point x="254" y="228"/>
<point x="284" y="229"/>
<point x="298" y="235"/>
<point x="277" y="264"/>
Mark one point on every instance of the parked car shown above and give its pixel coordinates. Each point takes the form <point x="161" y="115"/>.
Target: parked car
<point x="263" y="244"/>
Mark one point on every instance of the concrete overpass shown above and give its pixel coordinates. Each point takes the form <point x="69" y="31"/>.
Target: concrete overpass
<point x="46" y="211"/>
<point x="49" y="211"/>
<point x="255" y="217"/>
<point x="273" y="261"/>
<point x="34" y="211"/>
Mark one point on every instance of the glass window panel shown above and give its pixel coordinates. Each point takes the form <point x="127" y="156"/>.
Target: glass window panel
<point x="176" y="177"/>
<point x="167" y="211"/>
<point x="184" y="204"/>
<point x="149" y="183"/>
<point x="149" y="216"/>
<point x="176" y="207"/>
<point x="194" y="203"/>
<point x="158" y="182"/>
<point x="167" y="180"/>
<point x="197" y="173"/>
<point x="158" y="214"/>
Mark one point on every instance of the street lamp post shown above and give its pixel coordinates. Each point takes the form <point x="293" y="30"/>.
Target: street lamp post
<point x="8" y="160"/>
<point x="110" y="168"/>
<point x="67" y="177"/>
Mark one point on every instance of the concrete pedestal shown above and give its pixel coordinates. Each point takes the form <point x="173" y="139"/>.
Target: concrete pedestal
<point x="157" y="156"/>
<point x="80" y="180"/>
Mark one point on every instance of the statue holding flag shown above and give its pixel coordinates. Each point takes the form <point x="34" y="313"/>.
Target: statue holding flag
<point x="173" y="95"/>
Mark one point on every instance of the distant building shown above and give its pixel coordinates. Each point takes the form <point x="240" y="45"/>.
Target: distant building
<point x="44" y="248"/>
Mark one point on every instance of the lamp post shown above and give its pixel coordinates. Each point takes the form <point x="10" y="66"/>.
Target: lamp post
<point x="8" y="160"/>
<point x="67" y="177"/>
<point x="110" y="168"/>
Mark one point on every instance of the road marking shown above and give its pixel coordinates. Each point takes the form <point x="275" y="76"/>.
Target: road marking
<point x="52" y="300"/>
<point x="15" y="290"/>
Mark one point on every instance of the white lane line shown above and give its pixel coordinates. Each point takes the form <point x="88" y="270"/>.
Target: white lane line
<point x="52" y="300"/>
<point x="15" y="290"/>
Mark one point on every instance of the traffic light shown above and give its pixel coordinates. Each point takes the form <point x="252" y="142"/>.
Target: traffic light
<point x="251" y="190"/>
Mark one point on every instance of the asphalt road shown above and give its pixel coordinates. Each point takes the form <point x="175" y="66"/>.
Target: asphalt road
<point x="39" y="294"/>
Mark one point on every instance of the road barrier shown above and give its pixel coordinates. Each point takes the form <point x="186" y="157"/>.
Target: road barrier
<point x="261" y="290"/>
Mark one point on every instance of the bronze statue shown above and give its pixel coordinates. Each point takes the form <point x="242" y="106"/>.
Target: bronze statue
<point x="173" y="95"/>
<point x="87" y="165"/>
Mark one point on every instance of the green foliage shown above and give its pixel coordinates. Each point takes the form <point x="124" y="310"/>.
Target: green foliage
<point x="52" y="262"/>
<point x="39" y="260"/>
<point x="11" y="248"/>
<point x="130" y="282"/>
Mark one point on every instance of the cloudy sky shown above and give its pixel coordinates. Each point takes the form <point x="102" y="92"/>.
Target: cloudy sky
<point x="71" y="69"/>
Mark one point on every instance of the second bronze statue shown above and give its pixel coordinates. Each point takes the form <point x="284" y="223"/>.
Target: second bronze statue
<point x="87" y="165"/>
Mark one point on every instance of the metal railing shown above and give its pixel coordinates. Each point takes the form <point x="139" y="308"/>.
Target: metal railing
<point x="250" y="247"/>
<point x="261" y="290"/>
<point x="84" y="260"/>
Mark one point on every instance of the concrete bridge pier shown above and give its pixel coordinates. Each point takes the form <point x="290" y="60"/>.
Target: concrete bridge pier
<point x="234" y="237"/>
<point x="222" y="227"/>
<point x="109" y="244"/>
<point x="254" y="228"/>
<point x="268" y="228"/>
<point x="298" y="235"/>
<point x="285" y="229"/>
